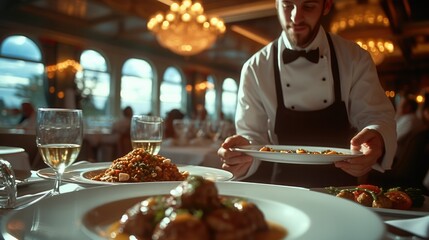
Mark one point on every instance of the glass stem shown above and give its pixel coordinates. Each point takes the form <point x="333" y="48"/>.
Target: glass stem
<point x="56" y="190"/>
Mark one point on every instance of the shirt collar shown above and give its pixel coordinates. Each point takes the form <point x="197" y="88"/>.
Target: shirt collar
<point x="320" y="41"/>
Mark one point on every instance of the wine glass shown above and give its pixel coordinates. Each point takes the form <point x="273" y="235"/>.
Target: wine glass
<point x="59" y="136"/>
<point x="147" y="132"/>
<point x="181" y="129"/>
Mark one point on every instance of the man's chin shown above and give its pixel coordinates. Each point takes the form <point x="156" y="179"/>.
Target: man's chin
<point x="300" y="39"/>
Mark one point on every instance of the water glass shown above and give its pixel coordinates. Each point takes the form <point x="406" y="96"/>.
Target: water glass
<point x="7" y="185"/>
<point x="182" y="128"/>
<point x="147" y="132"/>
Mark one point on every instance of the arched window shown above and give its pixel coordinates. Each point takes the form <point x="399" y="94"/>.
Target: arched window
<point x="93" y="84"/>
<point x="210" y="97"/>
<point x="171" y="91"/>
<point x="21" y="77"/>
<point x="136" y="86"/>
<point x="229" y="98"/>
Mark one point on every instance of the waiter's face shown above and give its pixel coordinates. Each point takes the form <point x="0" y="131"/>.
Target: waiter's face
<point x="300" y="19"/>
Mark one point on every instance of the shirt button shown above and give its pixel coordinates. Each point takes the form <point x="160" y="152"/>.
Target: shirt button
<point x="287" y="85"/>
<point x="324" y="79"/>
<point x="325" y="101"/>
<point x="321" y="56"/>
<point x="292" y="107"/>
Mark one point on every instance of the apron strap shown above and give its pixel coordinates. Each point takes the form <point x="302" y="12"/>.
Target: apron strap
<point x="335" y="69"/>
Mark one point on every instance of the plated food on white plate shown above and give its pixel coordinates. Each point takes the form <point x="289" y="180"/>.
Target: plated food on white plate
<point x="194" y="210"/>
<point x="93" y="212"/>
<point x="297" y="154"/>
<point x="141" y="166"/>
<point x="396" y="200"/>
<point x="135" y="167"/>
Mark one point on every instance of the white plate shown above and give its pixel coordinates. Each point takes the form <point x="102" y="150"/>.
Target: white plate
<point x="413" y="212"/>
<point x="385" y="212"/>
<point x="295" y="158"/>
<point x="305" y="214"/>
<point x="77" y="173"/>
<point x="10" y="150"/>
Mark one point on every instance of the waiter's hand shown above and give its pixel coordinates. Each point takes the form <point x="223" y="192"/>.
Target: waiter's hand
<point x="371" y="144"/>
<point x="235" y="162"/>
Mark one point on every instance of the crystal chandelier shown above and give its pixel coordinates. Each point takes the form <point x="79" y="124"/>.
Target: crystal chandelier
<point x="367" y="25"/>
<point x="185" y="29"/>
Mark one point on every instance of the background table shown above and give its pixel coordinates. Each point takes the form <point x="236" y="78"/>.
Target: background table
<point x="192" y="154"/>
<point x="17" y="157"/>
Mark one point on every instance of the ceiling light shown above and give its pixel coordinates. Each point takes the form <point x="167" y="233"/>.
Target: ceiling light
<point x="366" y="25"/>
<point x="184" y="29"/>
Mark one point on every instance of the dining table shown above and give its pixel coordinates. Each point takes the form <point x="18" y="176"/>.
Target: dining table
<point x="35" y="186"/>
<point x="99" y="145"/>
<point x="201" y="152"/>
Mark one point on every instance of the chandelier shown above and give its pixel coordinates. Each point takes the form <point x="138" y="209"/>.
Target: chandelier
<point x="76" y="8"/>
<point x="184" y="29"/>
<point x="367" y="25"/>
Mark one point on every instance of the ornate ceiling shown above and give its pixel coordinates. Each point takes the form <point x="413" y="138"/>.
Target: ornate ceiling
<point x="123" y="22"/>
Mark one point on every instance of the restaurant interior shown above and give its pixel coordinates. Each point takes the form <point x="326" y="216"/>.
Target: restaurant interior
<point x="119" y="30"/>
<point x="178" y="60"/>
<point x="102" y="55"/>
<point x="394" y="31"/>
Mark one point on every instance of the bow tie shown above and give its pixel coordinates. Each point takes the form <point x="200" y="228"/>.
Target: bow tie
<point x="291" y="55"/>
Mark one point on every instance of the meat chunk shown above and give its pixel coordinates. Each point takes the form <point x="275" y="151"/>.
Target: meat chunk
<point x="197" y="193"/>
<point x="181" y="225"/>
<point x="139" y="220"/>
<point x="239" y="221"/>
<point x="193" y="210"/>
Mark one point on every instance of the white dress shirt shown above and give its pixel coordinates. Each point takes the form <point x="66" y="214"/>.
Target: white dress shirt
<point x="309" y="86"/>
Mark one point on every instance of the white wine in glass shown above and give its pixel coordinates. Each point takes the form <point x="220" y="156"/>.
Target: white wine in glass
<point x="59" y="135"/>
<point x="151" y="146"/>
<point x="147" y="133"/>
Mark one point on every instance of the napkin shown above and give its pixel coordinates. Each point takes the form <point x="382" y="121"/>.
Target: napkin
<point x="418" y="226"/>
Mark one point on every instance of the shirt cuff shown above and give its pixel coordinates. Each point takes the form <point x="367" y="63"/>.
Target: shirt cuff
<point x="251" y="171"/>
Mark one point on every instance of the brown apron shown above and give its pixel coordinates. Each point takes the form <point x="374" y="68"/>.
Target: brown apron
<point x="328" y="127"/>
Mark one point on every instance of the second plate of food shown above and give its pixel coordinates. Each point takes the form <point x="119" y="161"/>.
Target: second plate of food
<point x="83" y="173"/>
<point x="297" y="154"/>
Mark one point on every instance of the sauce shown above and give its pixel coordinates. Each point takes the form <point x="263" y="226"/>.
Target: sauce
<point x="274" y="232"/>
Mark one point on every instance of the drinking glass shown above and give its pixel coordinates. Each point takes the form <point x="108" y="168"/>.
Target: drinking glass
<point x="181" y="129"/>
<point x="147" y="133"/>
<point x="7" y="185"/>
<point x="59" y="136"/>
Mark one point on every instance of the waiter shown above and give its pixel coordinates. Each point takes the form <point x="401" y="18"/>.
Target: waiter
<point x="311" y="88"/>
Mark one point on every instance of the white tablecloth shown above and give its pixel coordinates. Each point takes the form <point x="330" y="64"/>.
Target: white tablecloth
<point x="101" y="146"/>
<point x="203" y="155"/>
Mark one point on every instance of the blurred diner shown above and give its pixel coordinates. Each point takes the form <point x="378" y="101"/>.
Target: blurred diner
<point x="425" y="111"/>
<point x="121" y="129"/>
<point x="408" y="122"/>
<point x="28" y="117"/>
<point x="169" y="131"/>
<point x="410" y="166"/>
